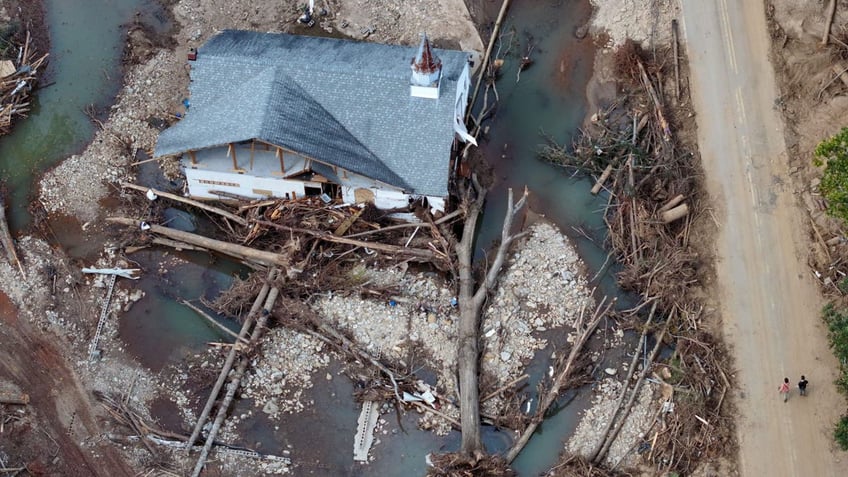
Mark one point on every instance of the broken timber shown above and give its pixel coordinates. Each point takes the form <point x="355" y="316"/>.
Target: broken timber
<point x="238" y="251"/>
<point x="194" y="203"/>
<point x="236" y="380"/>
<point x="231" y="357"/>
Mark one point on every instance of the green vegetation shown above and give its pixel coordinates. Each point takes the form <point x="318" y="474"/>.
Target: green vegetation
<point x="833" y="154"/>
<point x="837" y="333"/>
<point x="841" y="432"/>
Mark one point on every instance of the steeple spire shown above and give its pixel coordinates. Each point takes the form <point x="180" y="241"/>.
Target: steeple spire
<point x="426" y="71"/>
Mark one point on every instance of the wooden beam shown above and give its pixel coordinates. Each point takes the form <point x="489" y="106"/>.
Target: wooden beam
<point x="199" y="205"/>
<point x="193" y="157"/>
<point x="282" y="160"/>
<point x="252" y="148"/>
<point x="231" y="151"/>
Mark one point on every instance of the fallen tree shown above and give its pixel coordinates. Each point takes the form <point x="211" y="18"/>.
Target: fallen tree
<point x="472" y="295"/>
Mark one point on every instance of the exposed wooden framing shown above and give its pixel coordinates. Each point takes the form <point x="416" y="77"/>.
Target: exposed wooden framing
<point x="231" y="151"/>
<point x="193" y="157"/>
<point x="252" y="148"/>
<point x="282" y="159"/>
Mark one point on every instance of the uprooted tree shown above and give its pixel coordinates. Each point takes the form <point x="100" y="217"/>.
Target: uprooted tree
<point x="472" y="296"/>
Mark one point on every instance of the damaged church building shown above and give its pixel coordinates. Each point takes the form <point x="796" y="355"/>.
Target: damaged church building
<point x="278" y="115"/>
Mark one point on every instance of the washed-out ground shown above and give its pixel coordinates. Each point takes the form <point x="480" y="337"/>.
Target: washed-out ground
<point x="56" y="300"/>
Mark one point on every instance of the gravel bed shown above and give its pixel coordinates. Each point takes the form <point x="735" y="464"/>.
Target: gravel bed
<point x="634" y="19"/>
<point x="588" y="434"/>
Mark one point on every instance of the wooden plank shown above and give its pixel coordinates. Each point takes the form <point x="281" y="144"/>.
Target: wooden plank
<point x="199" y="205"/>
<point x="344" y="226"/>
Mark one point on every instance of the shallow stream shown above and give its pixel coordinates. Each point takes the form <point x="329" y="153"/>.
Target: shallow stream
<point x="550" y="97"/>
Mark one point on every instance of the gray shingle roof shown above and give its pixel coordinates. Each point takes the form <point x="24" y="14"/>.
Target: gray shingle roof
<point x="343" y="102"/>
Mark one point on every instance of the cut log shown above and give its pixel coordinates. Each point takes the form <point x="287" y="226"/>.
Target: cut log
<point x="600" y="182"/>
<point x="672" y="203"/>
<point x="676" y="213"/>
<point x="238" y="251"/>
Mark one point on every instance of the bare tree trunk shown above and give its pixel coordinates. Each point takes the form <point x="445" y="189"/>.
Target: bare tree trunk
<point x="231" y="357"/>
<point x="831" y="10"/>
<point x="236" y="381"/>
<point x="231" y="249"/>
<point x="470" y="307"/>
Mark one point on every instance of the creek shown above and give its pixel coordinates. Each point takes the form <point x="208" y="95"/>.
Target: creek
<point x="84" y="70"/>
<point x="550" y="97"/>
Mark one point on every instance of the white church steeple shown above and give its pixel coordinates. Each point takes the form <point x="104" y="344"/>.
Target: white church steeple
<point x="426" y="72"/>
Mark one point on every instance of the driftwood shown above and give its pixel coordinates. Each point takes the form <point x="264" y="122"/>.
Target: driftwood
<point x="193" y="203"/>
<point x="486" y="56"/>
<point x="412" y="253"/>
<point x="626" y="382"/>
<point x="470" y="306"/>
<point x="676" y="60"/>
<point x="228" y="364"/>
<point x="238" y="251"/>
<point x="600" y="182"/>
<point x="566" y="369"/>
<point x="16" y="84"/>
<point x="236" y="381"/>
<point x="10" y="397"/>
<point x="212" y="321"/>
<point x="675" y="213"/>
<point x="831" y="11"/>
<point x="610" y="437"/>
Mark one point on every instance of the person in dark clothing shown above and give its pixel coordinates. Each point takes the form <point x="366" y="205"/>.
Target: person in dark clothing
<point x="802" y="386"/>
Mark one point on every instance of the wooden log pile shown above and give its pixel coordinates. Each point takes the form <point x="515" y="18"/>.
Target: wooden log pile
<point x="653" y="184"/>
<point x="18" y="77"/>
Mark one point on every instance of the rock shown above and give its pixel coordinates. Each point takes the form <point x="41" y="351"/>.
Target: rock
<point x="611" y="371"/>
<point x="506" y="356"/>
<point x="431" y="317"/>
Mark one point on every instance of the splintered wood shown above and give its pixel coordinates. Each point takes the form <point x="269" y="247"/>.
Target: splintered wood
<point x="18" y="77"/>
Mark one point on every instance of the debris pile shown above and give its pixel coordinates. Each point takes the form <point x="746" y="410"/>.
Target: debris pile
<point x="18" y="77"/>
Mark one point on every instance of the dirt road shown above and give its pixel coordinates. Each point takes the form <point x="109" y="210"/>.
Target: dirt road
<point x="769" y="303"/>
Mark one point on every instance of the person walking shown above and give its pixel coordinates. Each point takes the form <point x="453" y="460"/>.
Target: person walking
<point x="784" y="389"/>
<point x="802" y="386"/>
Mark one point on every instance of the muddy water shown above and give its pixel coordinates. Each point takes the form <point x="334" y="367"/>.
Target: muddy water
<point x="84" y="69"/>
